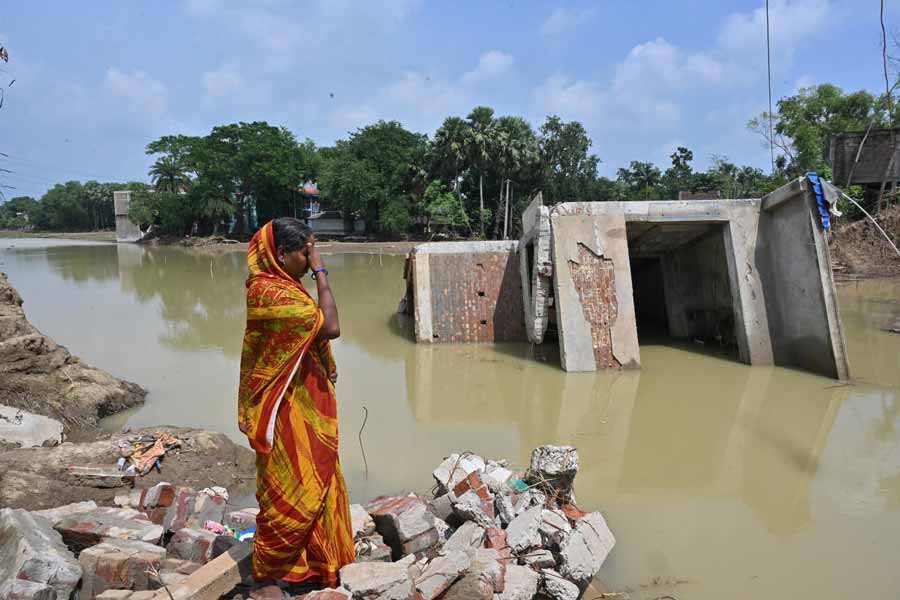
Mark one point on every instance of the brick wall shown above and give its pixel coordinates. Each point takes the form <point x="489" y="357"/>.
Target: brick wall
<point x="595" y="282"/>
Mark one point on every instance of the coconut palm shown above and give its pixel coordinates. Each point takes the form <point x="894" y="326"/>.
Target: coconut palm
<point x="169" y="175"/>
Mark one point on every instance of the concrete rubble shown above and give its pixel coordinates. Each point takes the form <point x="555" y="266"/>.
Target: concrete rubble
<point x="490" y="531"/>
<point x="509" y="535"/>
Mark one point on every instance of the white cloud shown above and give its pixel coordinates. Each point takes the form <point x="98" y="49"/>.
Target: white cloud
<point x="791" y="22"/>
<point x="223" y="81"/>
<point x="141" y="91"/>
<point x="563" y="19"/>
<point x="493" y="64"/>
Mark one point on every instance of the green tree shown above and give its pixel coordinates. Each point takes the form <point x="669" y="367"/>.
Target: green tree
<point x="569" y="168"/>
<point x="375" y="169"/>
<point x="805" y="123"/>
<point x="442" y="206"/>
<point x="18" y="212"/>
<point x="479" y="146"/>
<point x="680" y="176"/>
<point x="168" y="175"/>
<point x="640" y="181"/>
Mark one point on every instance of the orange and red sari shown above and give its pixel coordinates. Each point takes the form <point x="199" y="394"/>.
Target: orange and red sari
<point x="287" y="409"/>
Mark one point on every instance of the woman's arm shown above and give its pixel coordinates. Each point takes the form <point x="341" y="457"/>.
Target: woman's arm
<point x="331" y="325"/>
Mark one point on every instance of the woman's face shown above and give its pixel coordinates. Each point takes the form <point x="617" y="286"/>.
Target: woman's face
<point x="296" y="263"/>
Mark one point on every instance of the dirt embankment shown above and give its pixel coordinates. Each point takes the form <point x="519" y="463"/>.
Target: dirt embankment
<point x="858" y="249"/>
<point x="40" y="376"/>
<point x="38" y="478"/>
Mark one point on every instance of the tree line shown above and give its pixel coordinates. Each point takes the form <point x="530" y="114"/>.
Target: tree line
<point x="473" y="177"/>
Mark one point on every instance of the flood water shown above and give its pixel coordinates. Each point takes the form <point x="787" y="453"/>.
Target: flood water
<point x="719" y="480"/>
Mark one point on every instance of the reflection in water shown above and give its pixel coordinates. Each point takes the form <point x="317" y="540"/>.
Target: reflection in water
<point x="744" y="482"/>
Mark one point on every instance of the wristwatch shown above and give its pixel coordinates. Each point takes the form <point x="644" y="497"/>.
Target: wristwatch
<point x="317" y="271"/>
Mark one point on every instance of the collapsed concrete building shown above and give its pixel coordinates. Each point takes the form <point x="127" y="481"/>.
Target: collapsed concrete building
<point x="753" y="276"/>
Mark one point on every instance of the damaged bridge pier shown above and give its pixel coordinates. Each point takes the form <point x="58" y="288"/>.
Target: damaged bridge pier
<point x="752" y="276"/>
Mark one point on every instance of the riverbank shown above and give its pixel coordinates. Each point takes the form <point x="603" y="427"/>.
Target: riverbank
<point x="86" y="236"/>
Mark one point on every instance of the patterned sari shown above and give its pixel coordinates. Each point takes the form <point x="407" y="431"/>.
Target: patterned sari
<point x="287" y="409"/>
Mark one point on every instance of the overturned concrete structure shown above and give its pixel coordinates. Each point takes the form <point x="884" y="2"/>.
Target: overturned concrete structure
<point x="753" y="276"/>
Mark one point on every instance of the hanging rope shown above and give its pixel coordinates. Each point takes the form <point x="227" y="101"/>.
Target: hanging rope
<point x="769" y="72"/>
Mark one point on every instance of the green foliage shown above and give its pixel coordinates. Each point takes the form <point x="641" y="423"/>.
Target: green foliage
<point x="18" y="212"/>
<point x="569" y="168"/>
<point x="374" y="173"/>
<point x="805" y="123"/>
<point x="443" y="207"/>
<point x="395" y="218"/>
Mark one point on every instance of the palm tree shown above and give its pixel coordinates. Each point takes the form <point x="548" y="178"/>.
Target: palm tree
<point x="480" y="144"/>
<point x="169" y="175"/>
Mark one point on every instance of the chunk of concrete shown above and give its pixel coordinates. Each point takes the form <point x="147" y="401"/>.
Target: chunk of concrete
<point x="524" y="532"/>
<point x="21" y="589"/>
<point x="455" y="468"/>
<point x="118" y="564"/>
<point x="489" y="566"/>
<point x="195" y="545"/>
<point x="215" y="579"/>
<point x="555" y="587"/>
<point x="469" y="587"/>
<point x="55" y="515"/>
<point x="404" y="522"/>
<point x="31" y="550"/>
<point x="539" y="559"/>
<point x="245" y="518"/>
<point x="441" y="573"/>
<point x="554" y="527"/>
<point x="362" y="523"/>
<point x="365" y="580"/>
<point x="372" y="549"/>
<point x="468" y="535"/>
<point x="208" y="507"/>
<point x="521" y="583"/>
<point x="28" y="430"/>
<point x="88" y="529"/>
<point x="556" y="464"/>
<point x="472" y="507"/>
<point x="586" y="548"/>
<point x="504" y="508"/>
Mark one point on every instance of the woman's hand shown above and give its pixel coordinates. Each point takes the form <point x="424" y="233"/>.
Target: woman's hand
<point x="314" y="258"/>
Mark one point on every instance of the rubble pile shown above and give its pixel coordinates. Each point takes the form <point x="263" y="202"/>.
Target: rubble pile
<point x="488" y="532"/>
<point x="154" y="538"/>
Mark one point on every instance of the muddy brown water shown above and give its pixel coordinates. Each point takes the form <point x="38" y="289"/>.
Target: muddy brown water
<point x="719" y="480"/>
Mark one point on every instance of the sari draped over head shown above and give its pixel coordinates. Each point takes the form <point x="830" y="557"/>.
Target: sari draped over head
<point x="287" y="409"/>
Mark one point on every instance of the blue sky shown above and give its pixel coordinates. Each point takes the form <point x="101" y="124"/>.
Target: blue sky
<point x="96" y="81"/>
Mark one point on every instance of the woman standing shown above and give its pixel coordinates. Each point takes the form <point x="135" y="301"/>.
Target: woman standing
<point x="287" y="409"/>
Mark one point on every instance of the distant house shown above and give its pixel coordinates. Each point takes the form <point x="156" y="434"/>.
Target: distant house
<point x="332" y="223"/>
<point x="310" y="200"/>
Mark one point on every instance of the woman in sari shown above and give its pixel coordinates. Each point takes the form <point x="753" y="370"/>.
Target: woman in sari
<point x="287" y="409"/>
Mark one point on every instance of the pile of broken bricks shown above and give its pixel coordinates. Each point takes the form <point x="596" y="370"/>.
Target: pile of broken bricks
<point x="154" y="538"/>
<point x="489" y="533"/>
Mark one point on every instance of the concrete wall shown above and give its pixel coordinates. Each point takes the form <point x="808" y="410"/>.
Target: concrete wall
<point x="126" y="231"/>
<point x="468" y="292"/>
<point x="699" y="303"/>
<point x="593" y="294"/>
<point x="536" y="268"/>
<point x="795" y="266"/>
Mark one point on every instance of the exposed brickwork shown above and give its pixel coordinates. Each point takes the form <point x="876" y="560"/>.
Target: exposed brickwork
<point x="476" y="297"/>
<point x="595" y="282"/>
